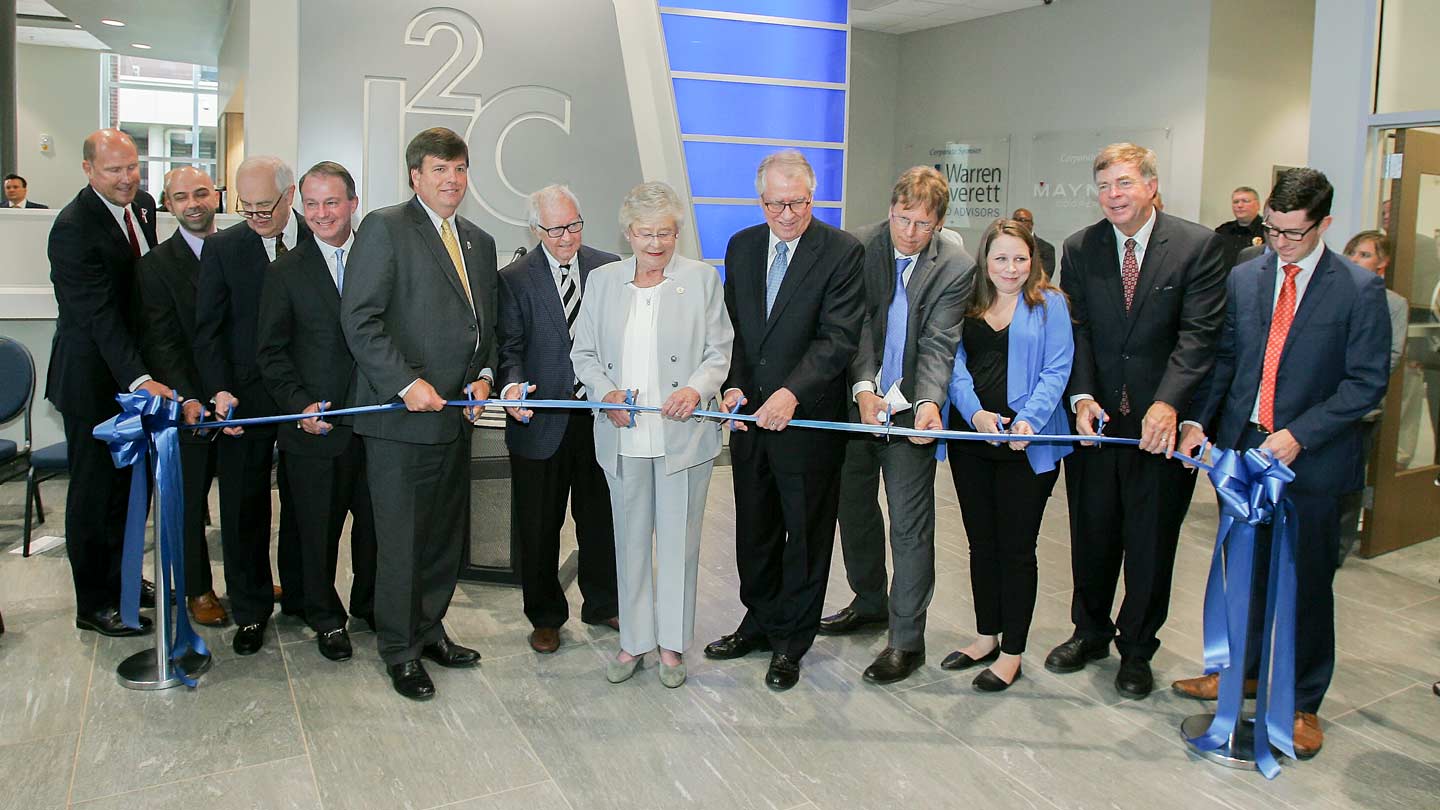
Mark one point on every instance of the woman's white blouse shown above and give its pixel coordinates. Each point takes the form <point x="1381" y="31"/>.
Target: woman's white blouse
<point x="642" y="371"/>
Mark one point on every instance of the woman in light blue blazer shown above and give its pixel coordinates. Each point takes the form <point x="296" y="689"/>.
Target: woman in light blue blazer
<point x="1011" y="368"/>
<point x="655" y="324"/>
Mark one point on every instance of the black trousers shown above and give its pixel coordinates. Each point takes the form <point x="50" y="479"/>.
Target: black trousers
<point x="1002" y="504"/>
<point x="197" y="464"/>
<point x="244" y="465"/>
<point x="324" y="490"/>
<point x="95" y="505"/>
<point x="422" y="512"/>
<point x="539" y="491"/>
<point x="784" y="536"/>
<point x="1126" y="509"/>
<point x="862" y="528"/>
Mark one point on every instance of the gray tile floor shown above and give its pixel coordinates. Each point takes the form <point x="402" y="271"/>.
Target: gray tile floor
<point x="288" y="729"/>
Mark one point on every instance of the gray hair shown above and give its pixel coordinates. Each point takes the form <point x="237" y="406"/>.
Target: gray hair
<point x="651" y="202"/>
<point x="789" y="163"/>
<point x="284" y="175"/>
<point x="553" y="193"/>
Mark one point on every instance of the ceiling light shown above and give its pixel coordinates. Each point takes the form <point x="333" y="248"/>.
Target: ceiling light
<point x="115" y="23"/>
<point x="142" y="46"/>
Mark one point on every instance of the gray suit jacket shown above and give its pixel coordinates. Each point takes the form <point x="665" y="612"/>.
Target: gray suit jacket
<point x="693" y="349"/>
<point x="405" y="316"/>
<point x="938" y="292"/>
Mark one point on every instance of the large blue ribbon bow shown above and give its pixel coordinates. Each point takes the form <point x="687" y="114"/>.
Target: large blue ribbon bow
<point x="1251" y="488"/>
<point x="146" y="429"/>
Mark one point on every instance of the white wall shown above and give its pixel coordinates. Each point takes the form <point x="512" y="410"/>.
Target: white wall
<point x="1341" y="79"/>
<point x="58" y="94"/>
<point x="870" y="162"/>
<point x="1257" y="98"/>
<point x="260" y="75"/>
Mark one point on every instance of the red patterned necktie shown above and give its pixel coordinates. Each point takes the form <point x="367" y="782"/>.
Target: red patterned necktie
<point x="1129" y="277"/>
<point x="1275" y="346"/>
<point x="130" y="229"/>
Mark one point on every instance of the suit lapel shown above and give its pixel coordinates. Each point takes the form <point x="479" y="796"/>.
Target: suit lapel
<point x="1266" y="293"/>
<point x="99" y="209"/>
<point x="1109" y="268"/>
<point x="807" y="250"/>
<point x="750" y="286"/>
<point x="431" y="237"/>
<point x="317" y="275"/>
<point x="1315" y="293"/>
<point x="1152" y="271"/>
<point x="920" y="276"/>
<point x="545" y="291"/>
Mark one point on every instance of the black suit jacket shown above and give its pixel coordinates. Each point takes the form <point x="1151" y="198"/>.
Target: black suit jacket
<point x="406" y="316"/>
<point x="28" y="204"/>
<point x="1165" y="345"/>
<point x="534" y="345"/>
<point x="227" y="309"/>
<point x="301" y="348"/>
<point x="1047" y="256"/>
<point x="1333" y="370"/>
<point x="96" y="353"/>
<point x="165" y="280"/>
<point x="805" y="345"/>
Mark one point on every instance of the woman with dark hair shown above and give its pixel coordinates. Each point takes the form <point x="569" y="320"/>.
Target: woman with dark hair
<point x="1011" y="368"/>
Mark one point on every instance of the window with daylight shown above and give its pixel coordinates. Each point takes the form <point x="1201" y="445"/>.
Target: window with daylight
<point x="169" y="108"/>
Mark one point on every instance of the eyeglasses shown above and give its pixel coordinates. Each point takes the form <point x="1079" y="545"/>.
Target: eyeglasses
<point x="263" y="216"/>
<point x="662" y="236"/>
<point x="555" y="232"/>
<point x="1124" y="184"/>
<point x="907" y="223"/>
<point x="1294" y="236"/>
<point x="776" y="206"/>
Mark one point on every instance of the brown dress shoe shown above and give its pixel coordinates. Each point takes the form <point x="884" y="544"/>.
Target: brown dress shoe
<point x="545" y="640"/>
<point x="207" y="610"/>
<point x="1308" y="736"/>
<point x="1207" y="687"/>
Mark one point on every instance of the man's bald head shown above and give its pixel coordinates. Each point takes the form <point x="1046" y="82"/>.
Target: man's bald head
<point x="1024" y="217"/>
<point x="190" y="196"/>
<point x="112" y="165"/>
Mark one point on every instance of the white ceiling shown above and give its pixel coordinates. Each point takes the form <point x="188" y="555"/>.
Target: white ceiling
<point x="178" y="30"/>
<point x="907" y="16"/>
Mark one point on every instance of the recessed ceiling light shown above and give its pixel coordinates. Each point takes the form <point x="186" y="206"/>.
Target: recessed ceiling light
<point x="142" y="46"/>
<point x="115" y="23"/>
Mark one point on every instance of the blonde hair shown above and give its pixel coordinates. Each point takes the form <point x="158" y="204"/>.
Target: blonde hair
<point x="1143" y="158"/>
<point x="924" y="186"/>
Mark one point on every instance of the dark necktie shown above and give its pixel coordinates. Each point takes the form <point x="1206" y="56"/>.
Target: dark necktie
<point x="280" y="249"/>
<point x="130" y="231"/>
<point x="1129" y="277"/>
<point x="570" y="301"/>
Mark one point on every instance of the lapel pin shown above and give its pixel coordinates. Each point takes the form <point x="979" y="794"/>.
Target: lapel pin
<point x="467" y="244"/>
<point x="144" y="216"/>
<point x="679" y="290"/>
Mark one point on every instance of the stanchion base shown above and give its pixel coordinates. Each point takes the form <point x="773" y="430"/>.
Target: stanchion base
<point x="139" y="670"/>
<point x="1237" y="753"/>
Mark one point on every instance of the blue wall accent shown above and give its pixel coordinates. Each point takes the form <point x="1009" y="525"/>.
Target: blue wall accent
<point x="716" y="223"/>
<point x="760" y="110"/>
<point x="833" y="11"/>
<point x="718" y="169"/>
<point x="709" y="45"/>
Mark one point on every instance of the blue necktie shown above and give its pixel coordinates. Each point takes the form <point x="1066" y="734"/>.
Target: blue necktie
<point x="339" y="269"/>
<point x="776" y="275"/>
<point x="896" y="321"/>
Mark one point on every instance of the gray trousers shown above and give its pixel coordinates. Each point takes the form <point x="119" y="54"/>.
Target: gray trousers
<point x="909" y="471"/>
<point x="657" y="517"/>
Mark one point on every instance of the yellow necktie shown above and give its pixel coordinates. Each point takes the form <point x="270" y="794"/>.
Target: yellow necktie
<point x="453" y="248"/>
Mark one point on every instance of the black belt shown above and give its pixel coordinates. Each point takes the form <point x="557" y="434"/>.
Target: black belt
<point x="1259" y="428"/>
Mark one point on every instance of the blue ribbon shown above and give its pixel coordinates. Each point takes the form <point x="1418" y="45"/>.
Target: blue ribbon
<point x="1251" y="489"/>
<point x="147" y="428"/>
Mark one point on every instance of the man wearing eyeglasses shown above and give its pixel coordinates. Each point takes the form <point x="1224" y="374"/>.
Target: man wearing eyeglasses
<point x="1147" y="294"/>
<point x="795" y="294"/>
<point x="916" y="289"/>
<point x="1303" y="356"/>
<point x="227" y="311"/>
<point x="552" y="455"/>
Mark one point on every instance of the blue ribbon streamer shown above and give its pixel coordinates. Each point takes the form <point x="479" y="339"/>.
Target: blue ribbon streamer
<point x="146" y="429"/>
<point x="1251" y="489"/>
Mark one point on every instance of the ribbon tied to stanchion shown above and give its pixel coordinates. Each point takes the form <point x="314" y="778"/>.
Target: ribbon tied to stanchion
<point x="1251" y="489"/>
<point x="144" y="436"/>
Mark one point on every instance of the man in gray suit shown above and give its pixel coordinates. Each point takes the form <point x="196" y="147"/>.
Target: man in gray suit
<point x="916" y="290"/>
<point x="419" y="316"/>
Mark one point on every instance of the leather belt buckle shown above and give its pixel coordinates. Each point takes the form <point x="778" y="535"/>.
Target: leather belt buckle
<point x="1259" y="428"/>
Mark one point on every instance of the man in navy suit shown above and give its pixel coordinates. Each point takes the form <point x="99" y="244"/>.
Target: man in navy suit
<point x="16" y="193"/>
<point x="1303" y="355"/>
<point x="552" y="455"/>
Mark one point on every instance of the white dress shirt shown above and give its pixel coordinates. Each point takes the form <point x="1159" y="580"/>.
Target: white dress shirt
<point x="328" y="251"/>
<point x="291" y="233"/>
<point x="641" y="371"/>
<point x="1142" y="241"/>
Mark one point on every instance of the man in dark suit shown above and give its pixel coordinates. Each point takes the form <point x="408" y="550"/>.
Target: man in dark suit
<point x="1047" y="250"/>
<point x="16" y="193"/>
<point x="307" y="368"/>
<point x="419" y="316"/>
<point x="1147" y="294"/>
<point x="95" y="355"/>
<point x="1303" y="355"/>
<point x="227" y="310"/>
<point x="166" y="279"/>
<point x="552" y="455"/>
<point x="916" y="289"/>
<point x="795" y="294"/>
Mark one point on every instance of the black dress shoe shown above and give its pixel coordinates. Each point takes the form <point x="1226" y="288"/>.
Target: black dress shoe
<point x="249" y="639"/>
<point x="106" y="622"/>
<point x="848" y="621"/>
<point x="784" y="672"/>
<point x="335" y="644"/>
<point x="893" y="666"/>
<point x="735" y="646"/>
<point x="1134" y="679"/>
<point x="988" y="681"/>
<point x="411" y="680"/>
<point x="447" y="653"/>
<point x="959" y="660"/>
<point x="1073" y="655"/>
<point x="147" y="593"/>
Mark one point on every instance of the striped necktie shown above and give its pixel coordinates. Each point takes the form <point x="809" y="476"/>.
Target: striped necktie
<point x="570" y="301"/>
